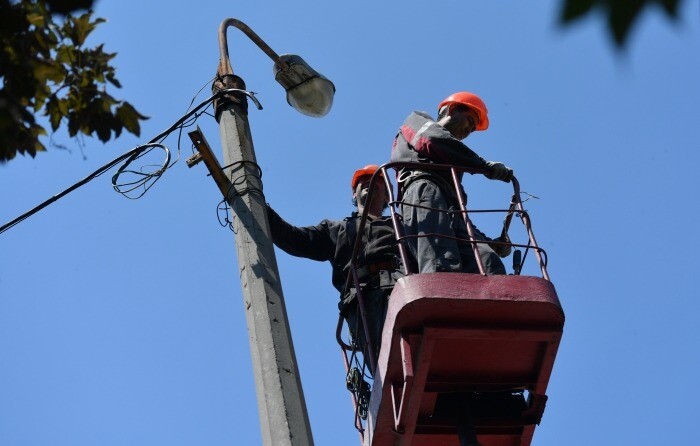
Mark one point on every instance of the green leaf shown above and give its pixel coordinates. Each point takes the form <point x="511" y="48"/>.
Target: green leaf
<point x="54" y="113"/>
<point x="117" y="127"/>
<point x="63" y="106"/>
<point x="41" y="94"/>
<point x="68" y="6"/>
<point x="36" y="19"/>
<point x="43" y="46"/>
<point x="128" y="116"/>
<point x="107" y="102"/>
<point x="35" y="144"/>
<point x="45" y="68"/>
<point x="575" y="9"/>
<point x="112" y="80"/>
<point x="65" y="54"/>
<point x="622" y="16"/>
<point x="55" y="118"/>
<point x="100" y="124"/>
<point x="51" y="37"/>
<point x="38" y="147"/>
<point x="49" y="71"/>
<point x="81" y="27"/>
<point x="73" y="124"/>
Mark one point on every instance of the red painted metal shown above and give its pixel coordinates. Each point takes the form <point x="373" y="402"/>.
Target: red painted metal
<point x="459" y="351"/>
<point x="467" y="333"/>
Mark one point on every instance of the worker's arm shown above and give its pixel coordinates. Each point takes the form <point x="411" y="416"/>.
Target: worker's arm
<point x="500" y="250"/>
<point x="311" y="242"/>
<point x="430" y="140"/>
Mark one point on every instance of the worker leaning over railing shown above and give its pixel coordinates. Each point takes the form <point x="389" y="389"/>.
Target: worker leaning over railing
<point x="334" y="240"/>
<point x="423" y="140"/>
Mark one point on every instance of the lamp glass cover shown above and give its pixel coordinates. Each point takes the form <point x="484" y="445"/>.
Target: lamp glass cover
<point x="313" y="97"/>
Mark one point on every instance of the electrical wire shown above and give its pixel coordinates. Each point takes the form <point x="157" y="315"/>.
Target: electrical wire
<point x="145" y="180"/>
<point x="529" y="196"/>
<point x="222" y="208"/>
<point x="142" y="179"/>
<point x="75" y="186"/>
<point x="222" y="215"/>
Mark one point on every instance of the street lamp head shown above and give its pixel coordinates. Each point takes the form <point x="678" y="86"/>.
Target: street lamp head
<point x="307" y="90"/>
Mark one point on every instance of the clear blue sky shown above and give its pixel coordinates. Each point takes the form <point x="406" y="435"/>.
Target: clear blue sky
<point x="121" y="322"/>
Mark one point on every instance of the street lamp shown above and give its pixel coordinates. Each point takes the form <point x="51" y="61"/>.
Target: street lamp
<point x="307" y="90"/>
<point x="281" y="405"/>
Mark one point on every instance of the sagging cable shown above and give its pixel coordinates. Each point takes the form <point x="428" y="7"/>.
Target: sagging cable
<point x="145" y="180"/>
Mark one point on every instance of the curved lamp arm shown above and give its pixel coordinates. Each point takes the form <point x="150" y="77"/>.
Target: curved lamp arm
<point x="308" y="91"/>
<point x="225" y="62"/>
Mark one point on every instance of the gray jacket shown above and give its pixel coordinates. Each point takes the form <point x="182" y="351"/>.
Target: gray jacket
<point x="422" y="140"/>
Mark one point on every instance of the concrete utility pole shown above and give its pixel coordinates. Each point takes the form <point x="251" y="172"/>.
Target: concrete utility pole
<point x="281" y="406"/>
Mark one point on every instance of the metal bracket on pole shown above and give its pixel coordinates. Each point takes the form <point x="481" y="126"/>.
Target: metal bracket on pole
<point x="206" y="155"/>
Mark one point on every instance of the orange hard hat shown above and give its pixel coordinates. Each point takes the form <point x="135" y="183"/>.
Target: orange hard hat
<point x="359" y="173"/>
<point x="472" y="101"/>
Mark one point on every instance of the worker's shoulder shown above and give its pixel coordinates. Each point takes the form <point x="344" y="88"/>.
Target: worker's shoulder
<point x="418" y="115"/>
<point x="332" y="223"/>
<point x="423" y="114"/>
<point x="352" y="217"/>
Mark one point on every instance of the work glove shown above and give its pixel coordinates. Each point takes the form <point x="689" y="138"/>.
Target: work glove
<point x="498" y="171"/>
<point x="501" y="250"/>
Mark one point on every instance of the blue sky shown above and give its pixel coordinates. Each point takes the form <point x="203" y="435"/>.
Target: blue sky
<point x="121" y="322"/>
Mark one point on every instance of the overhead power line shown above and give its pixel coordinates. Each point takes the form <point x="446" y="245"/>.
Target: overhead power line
<point x="145" y="180"/>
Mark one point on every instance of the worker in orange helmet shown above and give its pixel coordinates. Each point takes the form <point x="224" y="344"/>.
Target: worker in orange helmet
<point x="334" y="240"/>
<point x="424" y="140"/>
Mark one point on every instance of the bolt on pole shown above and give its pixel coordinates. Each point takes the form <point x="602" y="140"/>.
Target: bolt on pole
<point x="281" y="406"/>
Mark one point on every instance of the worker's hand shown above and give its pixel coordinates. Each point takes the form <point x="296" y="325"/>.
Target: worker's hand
<point x="498" y="171"/>
<point x="501" y="250"/>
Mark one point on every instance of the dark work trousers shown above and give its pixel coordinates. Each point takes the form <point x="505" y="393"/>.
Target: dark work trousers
<point x="434" y="253"/>
<point x="376" y="302"/>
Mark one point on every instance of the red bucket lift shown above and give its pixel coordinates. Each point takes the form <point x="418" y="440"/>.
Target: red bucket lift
<point x="460" y="349"/>
<point x="465" y="358"/>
